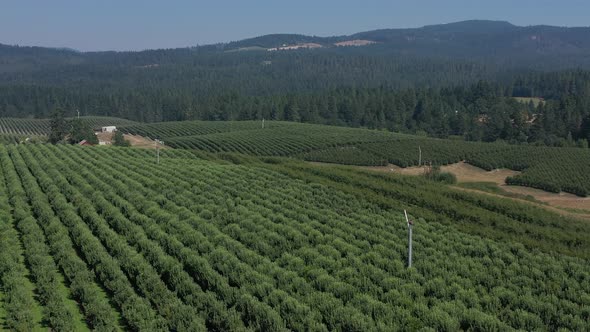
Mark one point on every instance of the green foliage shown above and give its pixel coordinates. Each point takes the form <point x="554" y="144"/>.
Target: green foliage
<point x="57" y="126"/>
<point x="119" y="140"/>
<point x="17" y="301"/>
<point x="81" y="130"/>
<point x="240" y="246"/>
<point x="435" y="174"/>
<point x="359" y="87"/>
<point x="484" y="216"/>
<point x="194" y="128"/>
<point x="190" y="244"/>
<point x="41" y="127"/>
<point x="551" y="169"/>
<point x="278" y="139"/>
<point x="346" y="155"/>
<point x="20" y="139"/>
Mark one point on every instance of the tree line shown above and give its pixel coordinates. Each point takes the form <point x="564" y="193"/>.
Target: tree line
<point x="482" y="111"/>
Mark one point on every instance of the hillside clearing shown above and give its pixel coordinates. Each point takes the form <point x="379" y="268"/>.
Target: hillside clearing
<point x="467" y="173"/>
<point x="143" y="142"/>
<point x="555" y="209"/>
<point x="355" y="42"/>
<point x="562" y="200"/>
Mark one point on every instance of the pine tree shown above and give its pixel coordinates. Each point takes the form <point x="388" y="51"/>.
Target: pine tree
<point x="81" y="131"/>
<point x="119" y="140"/>
<point x="58" y="126"/>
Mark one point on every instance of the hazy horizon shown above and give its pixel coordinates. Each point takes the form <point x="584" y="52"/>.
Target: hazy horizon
<point x="134" y="25"/>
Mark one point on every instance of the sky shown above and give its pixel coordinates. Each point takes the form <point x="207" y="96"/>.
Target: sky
<point x="100" y="25"/>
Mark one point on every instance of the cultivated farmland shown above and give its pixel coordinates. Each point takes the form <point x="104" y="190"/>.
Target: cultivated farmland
<point x="39" y="127"/>
<point x="547" y="168"/>
<point x="191" y="244"/>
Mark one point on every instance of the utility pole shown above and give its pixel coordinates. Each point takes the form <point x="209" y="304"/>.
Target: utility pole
<point x="419" y="156"/>
<point x="410" y="224"/>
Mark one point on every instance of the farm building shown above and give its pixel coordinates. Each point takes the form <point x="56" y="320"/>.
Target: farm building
<point x="84" y="142"/>
<point x="108" y="129"/>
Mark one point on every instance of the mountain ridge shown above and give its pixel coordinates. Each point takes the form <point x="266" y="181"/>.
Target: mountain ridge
<point x="497" y="34"/>
<point x="429" y="33"/>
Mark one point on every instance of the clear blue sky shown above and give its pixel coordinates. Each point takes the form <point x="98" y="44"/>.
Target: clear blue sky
<point x="135" y="25"/>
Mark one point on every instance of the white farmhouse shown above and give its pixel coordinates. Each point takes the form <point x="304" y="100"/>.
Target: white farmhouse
<point x="109" y="129"/>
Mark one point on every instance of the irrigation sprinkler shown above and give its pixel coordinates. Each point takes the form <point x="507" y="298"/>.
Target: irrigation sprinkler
<point x="156" y="144"/>
<point x="410" y="224"/>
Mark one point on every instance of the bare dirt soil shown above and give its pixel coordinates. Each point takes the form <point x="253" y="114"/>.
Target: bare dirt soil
<point x="469" y="173"/>
<point x="463" y="171"/>
<point x="105" y="137"/>
<point x="563" y="200"/>
<point x="391" y="168"/>
<point x="554" y="208"/>
<point x="142" y="142"/>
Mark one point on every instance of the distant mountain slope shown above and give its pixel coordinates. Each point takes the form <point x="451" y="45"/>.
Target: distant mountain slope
<point x="475" y="38"/>
<point x="464" y="39"/>
<point x="185" y="83"/>
<point x="276" y="40"/>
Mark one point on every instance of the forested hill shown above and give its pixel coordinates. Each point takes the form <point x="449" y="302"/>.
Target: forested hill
<point x="416" y="80"/>
<point x="499" y="41"/>
<point x="437" y="55"/>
